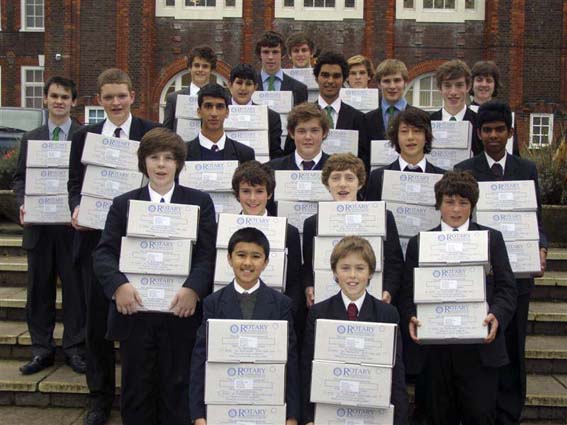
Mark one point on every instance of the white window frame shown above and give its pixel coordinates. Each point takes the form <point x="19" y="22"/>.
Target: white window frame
<point x="416" y="85"/>
<point x="24" y="26"/>
<point x="337" y="13"/>
<point x="180" y="11"/>
<point x="24" y="83"/>
<point x="88" y="109"/>
<point x="458" y="15"/>
<point x="541" y="144"/>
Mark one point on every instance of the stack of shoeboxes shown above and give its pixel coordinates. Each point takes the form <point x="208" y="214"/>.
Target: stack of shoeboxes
<point x="411" y="199"/>
<point x="156" y="252"/>
<point x="337" y="220"/>
<point x="297" y="194"/>
<point x="352" y="372"/>
<point x="365" y="100"/>
<point x="279" y="101"/>
<point x="341" y="141"/>
<point x="245" y="373"/>
<point x="248" y="124"/>
<point x="214" y="178"/>
<point x="275" y="230"/>
<point x="111" y="170"/>
<point x="306" y="76"/>
<point x="511" y="208"/>
<point x="451" y="143"/>
<point x="449" y="287"/>
<point x="382" y="153"/>
<point x="188" y="121"/>
<point x="46" y="199"/>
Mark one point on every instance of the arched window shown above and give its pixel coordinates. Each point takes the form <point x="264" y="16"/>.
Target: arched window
<point x="422" y="93"/>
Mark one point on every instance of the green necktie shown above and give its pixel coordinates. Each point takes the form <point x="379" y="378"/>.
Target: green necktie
<point x="390" y="111"/>
<point x="56" y="132"/>
<point x="329" y="110"/>
<point x="271" y="81"/>
<point x="452" y="119"/>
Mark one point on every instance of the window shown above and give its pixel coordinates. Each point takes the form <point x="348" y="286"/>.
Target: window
<point x="94" y="114"/>
<point x="440" y="10"/>
<point x="423" y="93"/>
<point x="32" y="15"/>
<point x="541" y="130"/>
<point x="32" y="86"/>
<point x="319" y="10"/>
<point x="199" y="9"/>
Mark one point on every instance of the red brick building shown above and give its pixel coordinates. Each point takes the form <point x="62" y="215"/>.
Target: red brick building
<point x="149" y="39"/>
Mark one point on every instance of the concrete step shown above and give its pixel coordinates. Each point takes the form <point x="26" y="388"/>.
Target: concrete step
<point x="13" y="303"/>
<point x="546" y="399"/>
<point x="546" y="354"/>
<point x="9" y="228"/>
<point x="552" y="286"/>
<point x="13" y="269"/>
<point x="11" y="245"/>
<point x="547" y="318"/>
<point x="557" y="259"/>
<point x="18" y="415"/>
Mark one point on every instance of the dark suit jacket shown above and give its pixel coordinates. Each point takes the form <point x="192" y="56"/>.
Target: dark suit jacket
<point x="289" y="84"/>
<point x="288" y="163"/>
<point x="376" y="129"/>
<point x="374" y="186"/>
<point x="86" y="241"/>
<point x="169" y="119"/>
<point x="32" y="233"/>
<point x="294" y="286"/>
<point x="501" y="294"/>
<point x="107" y="254"/>
<point x="223" y="304"/>
<point x="233" y="151"/>
<point x="516" y="169"/>
<point x="393" y="257"/>
<point x="373" y="310"/>
<point x="476" y="144"/>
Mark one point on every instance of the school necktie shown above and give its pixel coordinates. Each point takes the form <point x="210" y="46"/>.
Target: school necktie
<point x="308" y="165"/>
<point x="56" y="132"/>
<point x="329" y="111"/>
<point x="271" y="83"/>
<point x="215" y="148"/>
<point x="455" y="229"/>
<point x="411" y="169"/>
<point x="452" y="119"/>
<point x="117" y="132"/>
<point x="352" y="312"/>
<point x="497" y="170"/>
<point x="162" y="200"/>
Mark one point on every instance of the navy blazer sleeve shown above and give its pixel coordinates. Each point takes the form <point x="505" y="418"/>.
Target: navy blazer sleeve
<point x="19" y="181"/>
<point x="292" y="391"/>
<point x="374" y="186"/>
<point x="393" y="257"/>
<point x="76" y="169"/>
<point x="275" y="132"/>
<point x="307" y="354"/>
<point x="405" y="301"/>
<point x="309" y="232"/>
<point x="294" y="285"/>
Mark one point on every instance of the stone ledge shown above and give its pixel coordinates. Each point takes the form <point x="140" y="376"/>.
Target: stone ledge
<point x="541" y="311"/>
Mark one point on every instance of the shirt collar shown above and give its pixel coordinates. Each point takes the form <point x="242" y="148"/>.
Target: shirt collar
<point x="299" y="159"/>
<point x="358" y="302"/>
<point x="263" y="215"/>
<point x="233" y="102"/>
<point x="279" y="75"/>
<point x="241" y="290"/>
<point x="400" y="105"/>
<point x="193" y="89"/>
<point x="208" y="144"/>
<point x="421" y="163"/>
<point x="446" y="116"/>
<point x="336" y="105"/>
<point x="491" y="161"/>
<point x="462" y="228"/>
<point x="65" y="128"/>
<point x="156" y="197"/>
<point x="109" y="127"/>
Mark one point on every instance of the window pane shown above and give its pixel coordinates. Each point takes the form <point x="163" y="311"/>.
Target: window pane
<point x="408" y="4"/>
<point x="427" y="4"/>
<point x="349" y="3"/>
<point x="308" y="3"/>
<point x="438" y="4"/>
<point x="470" y="4"/>
<point x="289" y="3"/>
<point x="330" y="3"/>
<point x="449" y="4"/>
<point x="230" y="3"/>
<point x="409" y="95"/>
<point x="170" y="2"/>
<point x="424" y="98"/>
<point x="319" y="3"/>
<point x="425" y="83"/>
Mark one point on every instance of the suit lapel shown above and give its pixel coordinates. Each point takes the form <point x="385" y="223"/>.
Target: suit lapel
<point x="366" y="313"/>
<point x="229" y="304"/>
<point x="136" y="129"/>
<point x="512" y="167"/>
<point x="481" y="166"/>
<point x="74" y="128"/>
<point x="344" y="117"/>
<point x="291" y="165"/>
<point x="286" y="83"/>
<point x="194" y="149"/>
<point x="176" y="197"/>
<point x="264" y="303"/>
<point x="338" y="310"/>
<point x="229" y="151"/>
<point x="394" y="166"/>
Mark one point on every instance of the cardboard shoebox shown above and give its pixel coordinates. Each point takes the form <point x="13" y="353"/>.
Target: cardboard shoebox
<point x="156" y="291"/>
<point x="274" y="275"/>
<point x="524" y="257"/>
<point x="157" y="256"/>
<point x="300" y="186"/>
<point x="47" y="153"/>
<point x="49" y="209"/>
<point x="454" y="248"/>
<point x="279" y="101"/>
<point x="93" y="212"/>
<point x="275" y="228"/>
<point x="245" y="383"/>
<point x="305" y="75"/>
<point x="361" y="99"/>
<point x="186" y="106"/>
<point x="451" y="134"/>
<point x="108" y="183"/>
<point x="247" y="117"/>
<point x="326" y="286"/>
<point x="350" y="384"/>
<point x="513" y="195"/>
<point x="208" y="176"/>
<point x="162" y="220"/>
<point x="323" y="247"/>
<point x="188" y="129"/>
<point x="234" y="414"/>
<point x="297" y="212"/>
<point x="382" y="152"/>
<point x="514" y="225"/>
<point x="357" y="342"/>
<point x="247" y="341"/>
<point x="259" y="140"/>
<point x="341" y="141"/>
<point x="412" y="219"/>
<point x="225" y="202"/>
<point x="332" y="414"/>
<point x="352" y="218"/>
<point x="447" y="158"/>
<point x="110" y="152"/>
<point x="46" y="181"/>
<point x="449" y="284"/>
<point x="409" y="188"/>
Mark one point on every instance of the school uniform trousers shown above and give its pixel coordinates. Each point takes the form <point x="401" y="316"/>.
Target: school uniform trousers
<point x="512" y="385"/>
<point x="459" y="382"/>
<point x="373" y="310"/>
<point x="233" y="151"/>
<point x="100" y="352"/>
<point x="476" y="144"/>
<point x="224" y="304"/>
<point x="49" y="254"/>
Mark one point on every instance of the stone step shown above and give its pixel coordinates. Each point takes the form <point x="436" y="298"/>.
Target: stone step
<point x="11" y="245"/>
<point x="18" y="415"/>
<point x="547" y="318"/>
<point x="552" y="286"/>
<point x="10" y="228"/>
<point x="13" y="303"/>
<point x="557" y="259"/>
<point x="546" y="354"/>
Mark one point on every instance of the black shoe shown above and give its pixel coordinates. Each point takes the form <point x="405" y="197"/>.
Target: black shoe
<point x="96" y="416"/>
<point x="77" y="363"/>
<point x="36" y="364"/>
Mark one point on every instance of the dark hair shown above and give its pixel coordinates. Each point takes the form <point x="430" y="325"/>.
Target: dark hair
<point x="304" y="112"/>
<point x="113" y="76"/>
<point x="298" y="38"/>
<point x="494" y="110"/>
<point x="213" y="90"/>
<point x="331" y="58"/>
<point x="244" y="72"/>
<point x="487" y="68"/>
<point x="451" y="70"/>
<point x="161" y="139"/>
<point x="63" y="82"/>
<point x="203" y="52"/>
<point x="249" y="235"/>
<point x="343" y="162"/>
<point x="255" y="174"/>
<point x="416" y="118"/>
<point x="460" y="183"/>
<point x="270" y="39"/>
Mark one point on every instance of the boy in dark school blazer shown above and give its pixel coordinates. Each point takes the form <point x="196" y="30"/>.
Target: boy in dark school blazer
<point x="155" y="348"/>
<point x="353" y="263"/>
<point x="248" y="298"/>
